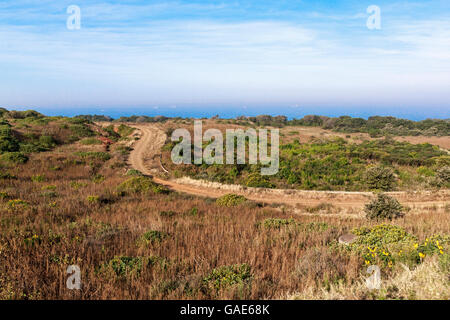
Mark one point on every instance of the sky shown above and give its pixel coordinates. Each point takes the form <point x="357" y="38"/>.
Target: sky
<point x="231" y="58"/>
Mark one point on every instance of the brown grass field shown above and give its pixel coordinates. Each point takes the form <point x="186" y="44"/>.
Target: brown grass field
<point x="73" y="214"/>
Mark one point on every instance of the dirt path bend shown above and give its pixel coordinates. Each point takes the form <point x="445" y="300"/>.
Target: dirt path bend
<point x="145" y="157"/>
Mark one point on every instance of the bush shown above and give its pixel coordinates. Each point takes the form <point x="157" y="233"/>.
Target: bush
<point x="7" y="175"/>
<point x="140" y="185"/>
<point x="103" y="156"/>
<point x="256" y="180"/>
<point x="8" y="144"/>
<point x="80" y="131"/>
<point x="90" y="141"/>
<point x="124" y="266"/>
<point x="14" y="157"/>
<point x="133" y="172"/>
<point x="275" y="223"/>
<point x="227" y="276"/>
<point x="167" y="214"/>
<point x="443" y="176"/>
<point x="125" y="130"/>
<point x="47" y="142"/>
<point x="380" y="178"/>
<point x="230" y="200"/>
<point x="383" y="207"/>
<point x="17" y="204"/>
<point x="152" y="237"/>
<point x="4" y="195"/>
<point x="98" y="178"/>
<point x="49" y="194"/>
<point x="384" y="245"/>
<point x="38" y="178"/>
<point x="77" y="185"/>
<point x="92" y="199"/>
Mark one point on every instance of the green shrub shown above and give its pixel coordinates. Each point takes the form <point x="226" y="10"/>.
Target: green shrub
<point x="49" y="194"/>
<point x="380" y="178"/>
<point x="92" y="199"/>
<point x="123" y="266"/>
<point x="320" y="207"/>
<point x="8" y="144"/>
<point x="90" y="141"/>
<point x="193" y="212"/>
<point x="103" y="156"/>
<point x="276" y="223"/>
<point x="81" y="131"/>
<point x="98" y="178"/>
<point x="50" y="187"/>
<point x="443" y="176"/>
<point x="230" y="200"/>
<point x="227" y="276"/>
<point x="38" y="178"/>
<point x="152" y="237"/>
<point x="133" y="172"/>
<point x="125" y="130"/>
<point x="385" y="245"/>
<point x="17" y="204"/>
<point x="140" y="185"/>
<point x="4" y="195"/>
<point x="381" y="235"/>
<point x="14" y="157"/>
<point x="7" y="175"/>
<point x="256" y="180"/>
<point x="167" y="214"/>
<point x="47" y="142"/>
<point x="383" y="207"/>
<point x="317" y="226"/>
<point x="77" y="185"/>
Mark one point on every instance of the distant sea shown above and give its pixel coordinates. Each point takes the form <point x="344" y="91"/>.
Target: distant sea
<point x="187" y="111"/>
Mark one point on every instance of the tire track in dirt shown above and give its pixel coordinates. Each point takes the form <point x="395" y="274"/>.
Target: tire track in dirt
<point x="147" y="150"/>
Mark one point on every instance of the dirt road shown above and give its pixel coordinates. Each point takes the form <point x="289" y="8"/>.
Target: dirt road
<point x="145" y="158"/>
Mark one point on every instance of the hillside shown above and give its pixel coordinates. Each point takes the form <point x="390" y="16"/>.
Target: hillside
<point x="69" y="195"/>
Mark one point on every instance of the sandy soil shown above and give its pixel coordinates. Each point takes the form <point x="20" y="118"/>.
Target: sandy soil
<point x="145" y="157"/>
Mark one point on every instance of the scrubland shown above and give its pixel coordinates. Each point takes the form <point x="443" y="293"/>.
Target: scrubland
<point x="77" y="202"/>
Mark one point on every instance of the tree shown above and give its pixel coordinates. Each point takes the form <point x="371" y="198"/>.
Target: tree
<point x="380" y="178"/>
<point x="383" y="207"/>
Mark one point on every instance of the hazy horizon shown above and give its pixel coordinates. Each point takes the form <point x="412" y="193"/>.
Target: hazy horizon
<point x="232" y="112"/>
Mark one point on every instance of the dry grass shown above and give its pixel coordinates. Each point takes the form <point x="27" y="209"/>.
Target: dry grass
<point x="39" y="240"/>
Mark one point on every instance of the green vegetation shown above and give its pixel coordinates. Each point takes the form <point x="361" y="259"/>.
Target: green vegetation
<point x="380" y="178"/>
<point x="226" y="276"/>
<point x="140" y="185"/>
<point x="152" y="237"/>
<point x="134" y="172"/>
<point x="102" y="156"/>
<point x="276" y="223"/>
<point x="378" y="126"/>
<point x="14" y="157"/>
<point x="383" y="207"/>
<point x="90" y="141"/>
<point x="385" y="245"/>
<point x="123" y="266"/>
<point x="337" y="164"/>
<point x="230" y="200"/>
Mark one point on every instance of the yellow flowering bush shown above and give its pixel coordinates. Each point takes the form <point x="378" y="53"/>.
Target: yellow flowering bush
<point x="17" y="204"/>
<point x="384" y="245"/>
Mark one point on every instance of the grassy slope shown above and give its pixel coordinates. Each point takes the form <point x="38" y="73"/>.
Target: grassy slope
<point x="63" y="207"/>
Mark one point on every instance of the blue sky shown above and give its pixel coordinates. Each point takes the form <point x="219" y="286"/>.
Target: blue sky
<point x="227" y="57"/>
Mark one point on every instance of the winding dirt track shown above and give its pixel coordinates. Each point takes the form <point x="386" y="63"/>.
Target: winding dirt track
<point x="145" y="157"/>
